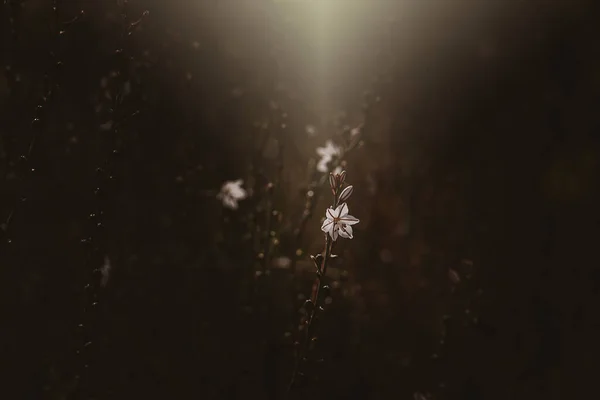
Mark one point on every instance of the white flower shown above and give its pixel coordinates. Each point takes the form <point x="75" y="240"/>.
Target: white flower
<point x="311" y="130"/>
<point x="338" y="222"/>
<point x="231" y="192"/>
<point x="329" y="150"/>
<point x="327" y="153"/>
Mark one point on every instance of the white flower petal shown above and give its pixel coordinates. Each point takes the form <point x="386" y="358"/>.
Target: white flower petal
<point x="334" y="232"/>
<point x="322" y="151"/>
<point x="232" y="191"/>
<point x="335" y="213"/>
<point x="237" y="193"/>
<point x="327" y="225"/>
<point x="322" y="165"/>
<point x="333" y="149"/>
<point x="349" y="220"/>
<point x="329" y="150"/>
<point x="342" y="210"/>
<point x="346" y="231"/>
<point x="330" y="213"/>
<point x="325" y="151"/>
<point x="230" y="202"/>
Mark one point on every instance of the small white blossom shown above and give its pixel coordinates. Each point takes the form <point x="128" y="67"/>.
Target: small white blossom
<point x="231" y="193"/>
<point x="338" y="222"/>
<point x="327" y="153"/>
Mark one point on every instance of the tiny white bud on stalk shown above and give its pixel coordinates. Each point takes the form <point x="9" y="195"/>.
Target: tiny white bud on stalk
<point x="346" y="193"/>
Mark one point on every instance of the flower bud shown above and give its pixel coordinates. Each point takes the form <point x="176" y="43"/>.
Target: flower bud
<point x="332" y="182"/>
<point x="346" y="193"/>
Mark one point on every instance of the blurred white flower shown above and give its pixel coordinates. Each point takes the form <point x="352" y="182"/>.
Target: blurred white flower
<point x="329" y="150"/>
<point x="231" y="192"/>
<point x="327" y="153"/>
<point x="338" y="222"/>
<point x="322" y="165"/>
<point x="311" y="130"/>
<point x="338" y="170"/>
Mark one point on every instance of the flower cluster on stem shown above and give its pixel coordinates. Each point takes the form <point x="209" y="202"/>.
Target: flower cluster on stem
<point x="338" y="223"/>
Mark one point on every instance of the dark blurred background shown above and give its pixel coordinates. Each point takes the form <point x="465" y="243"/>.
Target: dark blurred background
<point x="473" y="271"/>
